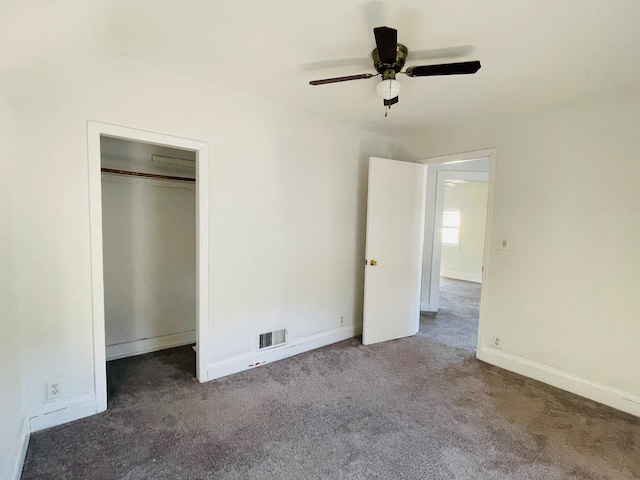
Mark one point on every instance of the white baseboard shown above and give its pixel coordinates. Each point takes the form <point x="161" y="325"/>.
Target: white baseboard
<point x="21" y="452"/>
<point x="66" y="410"/>
<point x="147" y="345"/>
<point x="469" y="277"/>
<point x="246" y="361"/>
<point x="612" y="397"/>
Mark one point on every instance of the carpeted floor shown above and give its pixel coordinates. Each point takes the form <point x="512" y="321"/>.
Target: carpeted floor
<point x="417" y="408"/>
<point x="456" y="323"/>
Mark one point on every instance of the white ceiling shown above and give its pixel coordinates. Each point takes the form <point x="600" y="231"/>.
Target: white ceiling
<point x="533" y="53"/>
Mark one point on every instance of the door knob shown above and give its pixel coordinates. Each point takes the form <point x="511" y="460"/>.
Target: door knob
<point x="373" y="263"/>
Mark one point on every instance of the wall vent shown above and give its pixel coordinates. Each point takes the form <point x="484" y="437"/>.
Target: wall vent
<point x="273" y="339"/>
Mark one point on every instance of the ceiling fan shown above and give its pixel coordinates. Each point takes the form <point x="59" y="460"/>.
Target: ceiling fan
<point x="389" y="58"/>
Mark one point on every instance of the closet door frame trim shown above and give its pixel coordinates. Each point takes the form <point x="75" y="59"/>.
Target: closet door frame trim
<point x="94" y="131"/>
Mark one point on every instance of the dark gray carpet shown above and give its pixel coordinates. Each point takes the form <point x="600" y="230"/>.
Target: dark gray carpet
<point x="416" y="408"/>
<point x="456" y="323"/>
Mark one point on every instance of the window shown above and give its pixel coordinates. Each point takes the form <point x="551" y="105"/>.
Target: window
<point x="451" y="227"/>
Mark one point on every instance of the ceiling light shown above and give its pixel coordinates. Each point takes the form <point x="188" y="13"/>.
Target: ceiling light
<point x="388" y="89"/>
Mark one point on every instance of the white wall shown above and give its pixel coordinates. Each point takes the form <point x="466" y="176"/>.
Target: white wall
<point x="13" y="426"/>
<point x="564" y="297"/>
<point x="465" y="263"/>
<point x="287" y="216"/>
<point x="149" y="264"/>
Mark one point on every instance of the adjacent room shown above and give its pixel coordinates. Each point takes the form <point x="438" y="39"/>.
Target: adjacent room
<point x="461" y="257"/>
<point x="237" y="238"/>
<point x="454" y="251"/>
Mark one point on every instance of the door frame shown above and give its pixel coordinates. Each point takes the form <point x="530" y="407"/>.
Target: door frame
<point x="201" y="149"/>
<point x="491" y="154"/>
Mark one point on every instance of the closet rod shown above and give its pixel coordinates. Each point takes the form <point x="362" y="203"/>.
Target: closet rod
<point x="147" y="175"/>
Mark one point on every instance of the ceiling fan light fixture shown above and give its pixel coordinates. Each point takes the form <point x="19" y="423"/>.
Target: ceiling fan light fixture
<point x="389" y="58"/>
<point x="388" y="89"/>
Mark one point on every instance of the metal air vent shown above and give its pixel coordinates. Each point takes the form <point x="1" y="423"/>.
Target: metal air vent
<point x="273" y="339"/>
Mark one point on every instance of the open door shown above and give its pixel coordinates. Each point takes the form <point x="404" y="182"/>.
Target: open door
<point x="395" y="230"/>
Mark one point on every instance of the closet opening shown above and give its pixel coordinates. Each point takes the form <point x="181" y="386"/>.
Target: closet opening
<point x="149" y="251"/>
<point x="149" y="257"/>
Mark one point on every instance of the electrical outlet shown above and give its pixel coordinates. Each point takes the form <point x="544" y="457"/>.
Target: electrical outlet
<point x="497" y="342"/>
<point x="53" y="389"/>
<point x="504" y="244"/>
<point x="341" y="319"/>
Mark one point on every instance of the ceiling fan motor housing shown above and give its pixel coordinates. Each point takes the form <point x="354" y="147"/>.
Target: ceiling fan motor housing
<point x="386" y="70"/>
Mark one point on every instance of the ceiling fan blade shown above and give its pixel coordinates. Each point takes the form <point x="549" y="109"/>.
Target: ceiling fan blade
<point x="341" y="79"/>
<point x="387" y="44"/>
<point x="461" y="68"/>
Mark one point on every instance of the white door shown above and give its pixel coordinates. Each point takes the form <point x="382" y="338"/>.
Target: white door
<point x="395" y="229"/>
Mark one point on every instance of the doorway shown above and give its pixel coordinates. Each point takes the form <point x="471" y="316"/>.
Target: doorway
<point x="461" y="211"/>
<point x="172" y="155"/>
<point x="148" y="245"/>
<point x="456" y="247"/>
